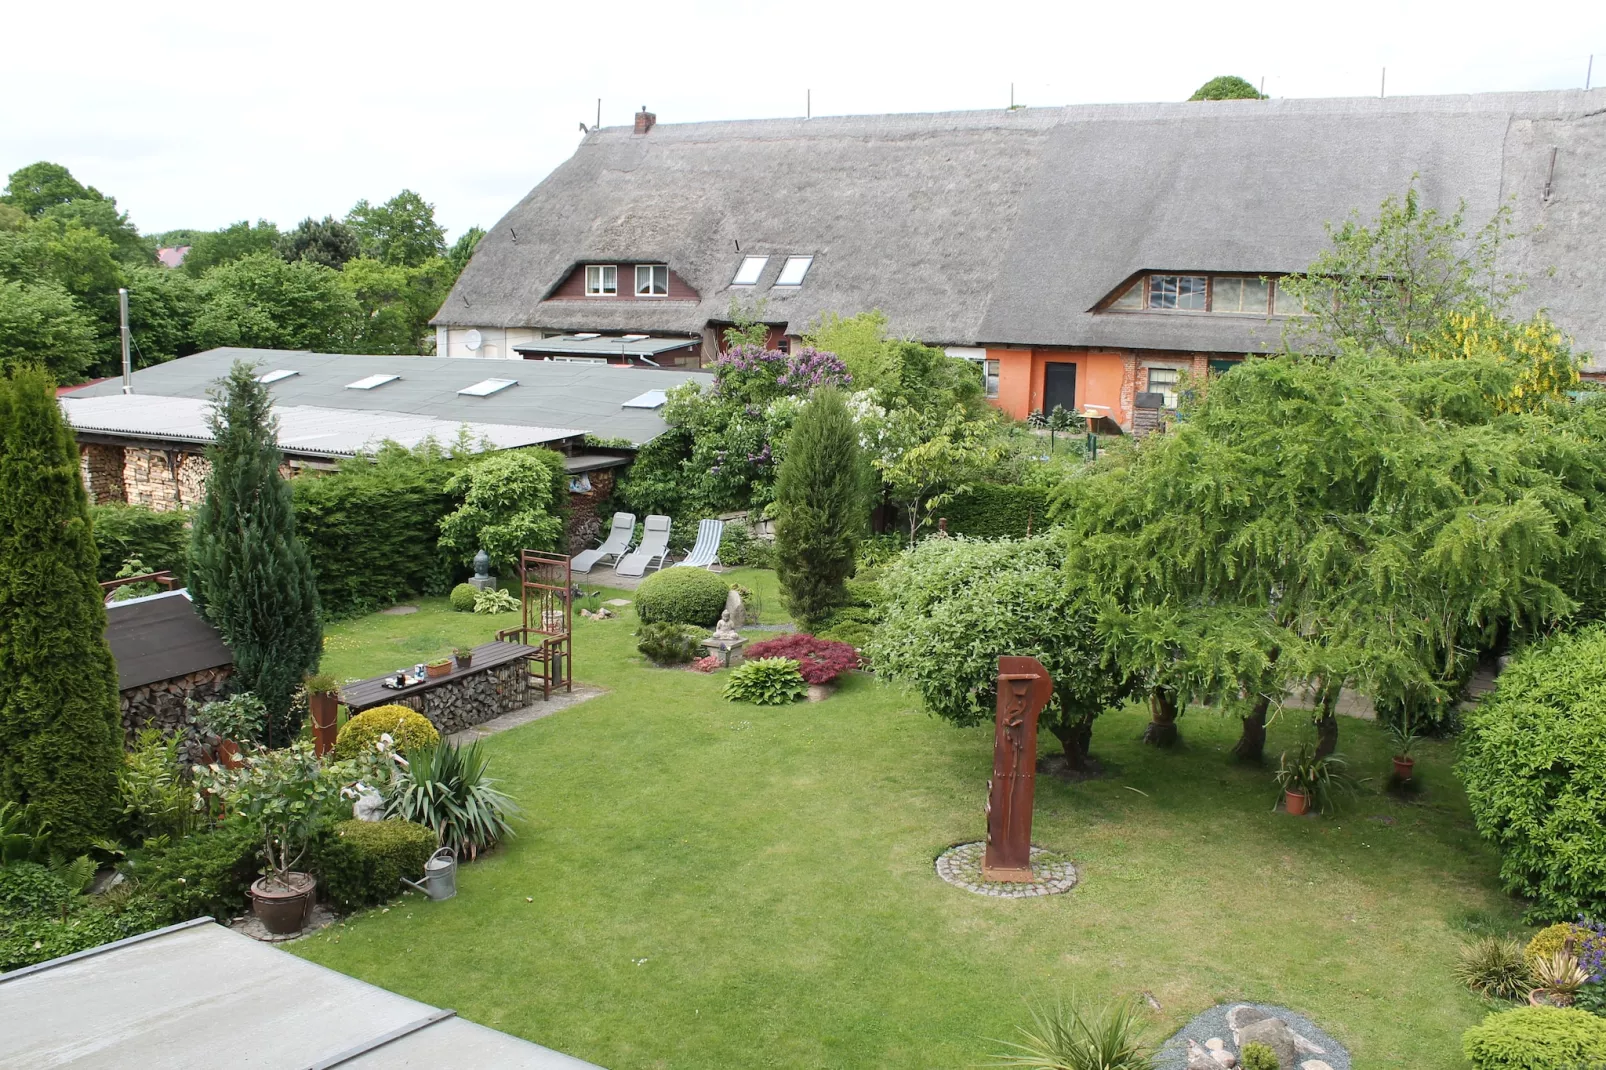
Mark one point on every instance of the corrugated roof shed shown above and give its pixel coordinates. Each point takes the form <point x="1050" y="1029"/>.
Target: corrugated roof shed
<point x="549" y="396"/>
<point x="199" y="995"/>
<point x="161" y="637"/>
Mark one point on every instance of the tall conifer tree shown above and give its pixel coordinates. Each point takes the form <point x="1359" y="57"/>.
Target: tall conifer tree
<point x="822" y="505"/>
<point x="249" y="572"/>
<point x="59" y="737"/>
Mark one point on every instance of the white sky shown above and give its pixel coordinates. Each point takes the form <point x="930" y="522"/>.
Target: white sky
<point x="200" y="114"/>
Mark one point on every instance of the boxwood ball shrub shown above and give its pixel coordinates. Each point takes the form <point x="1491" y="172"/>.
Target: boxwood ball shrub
<point x="682" y="596"/>
<point x="1257" y="1056"/>
<point x="409" y="730"/>
<point x="1537" y="1038"/>
<point x="670" y="644"/>
<point x="462" y="597"/>
<point x="766" y="682"/>
<point x="819" y="660"/>
<point x="1551" y="939"/>
<point x="1533" y="760"/>
<point x="361" y="863"/>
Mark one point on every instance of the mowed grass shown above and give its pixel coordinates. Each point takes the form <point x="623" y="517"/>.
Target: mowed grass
<point x="698" y="884"/>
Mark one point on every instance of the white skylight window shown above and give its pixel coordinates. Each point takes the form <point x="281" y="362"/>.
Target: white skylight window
<point x="652" y="399"/>
<point x="486" y="387"/>
<point x="276" y="375"/>
<point x="752" y="267"/>
<point x="586" y="336"/>
<point x="793" y="270"/>
<point x="372" y="381"/>
<point x="633" y="337"/>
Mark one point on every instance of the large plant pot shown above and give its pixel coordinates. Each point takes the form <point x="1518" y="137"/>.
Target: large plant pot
<point x="1403" y="767"/>
<point x="228" y="754"/>
<point x="324" y="708"/>
<point x="284" y="908"/>
<point x="1297" y="802"/>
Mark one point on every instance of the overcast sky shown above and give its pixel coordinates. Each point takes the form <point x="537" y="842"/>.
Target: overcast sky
<point x="200" y="114"/>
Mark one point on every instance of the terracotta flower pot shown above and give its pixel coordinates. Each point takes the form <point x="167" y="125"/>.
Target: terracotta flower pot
<point x="1297" y="802"/>
<point x="436" y="669"/>
<point x="228" y="754"/>
<point x="324" y="708"/>
<point x="284" y="907"/>
<point x="1403" y="767"/>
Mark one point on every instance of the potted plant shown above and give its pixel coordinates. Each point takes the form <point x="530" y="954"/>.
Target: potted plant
<point x="290" y="794"/>
<point x="1309" y="781"/>
<point x="1405" y="735"/>
<point x="323" y="707"/>
<point x="1557" y="978"/>
<point x="436" y="669"/>
<point x="463" y="656"/>
<point x="235" y="720"/>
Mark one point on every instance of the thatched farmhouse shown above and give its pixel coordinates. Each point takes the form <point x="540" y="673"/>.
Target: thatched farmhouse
<point x="1080" y="255"/>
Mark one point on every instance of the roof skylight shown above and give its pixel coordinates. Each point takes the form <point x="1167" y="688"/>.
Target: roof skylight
<point x="371" y="381"/>
<point x="652" y="399"/>
<point x="752" y="267"/>
<point x="586" y="335"/>
<point x="276" y="375"/>
<point x="793" y="270"/>
<point x="486" y="387"/>
<point x="633" y="337"/>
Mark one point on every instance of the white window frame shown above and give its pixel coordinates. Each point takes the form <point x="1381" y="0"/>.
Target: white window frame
<point x="743" y="277"/>
<point x="652" y="271"/>
<point x="602" y="280"/>
<point x="802" y="273"/>
<point x="1171" y="395"/>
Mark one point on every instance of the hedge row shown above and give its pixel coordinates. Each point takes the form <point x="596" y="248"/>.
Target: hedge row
<point x="995" y="511"/>
<point x="159" y="540"/>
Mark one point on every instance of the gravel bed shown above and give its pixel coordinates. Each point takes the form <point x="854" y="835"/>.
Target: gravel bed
<point x="1213" y="1023"/>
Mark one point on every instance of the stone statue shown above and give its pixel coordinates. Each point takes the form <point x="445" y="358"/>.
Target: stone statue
<point x="482" y="578"/>
<point x="1024" y="688"/>
<point x="725" y="631"/>
<point x="735" y="609"/>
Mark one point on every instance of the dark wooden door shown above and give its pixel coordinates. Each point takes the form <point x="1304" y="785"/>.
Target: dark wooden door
<point x="1059" y="387"/>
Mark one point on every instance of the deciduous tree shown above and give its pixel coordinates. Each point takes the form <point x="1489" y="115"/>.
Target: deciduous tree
<point x="400" y="231"/>
<point x="261" y="301"/>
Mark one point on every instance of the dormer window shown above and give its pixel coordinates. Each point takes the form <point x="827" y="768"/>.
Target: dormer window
<point x="749" y="271"/>
<point x="652" y="280"/>
<point x="602" y="280"/>
<point x="1178" y="291"/>
<point x="793" y="270"/>
<point x="1243" y="295"/>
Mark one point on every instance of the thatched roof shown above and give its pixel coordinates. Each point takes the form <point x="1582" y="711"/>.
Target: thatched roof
<point x="1008" y="227"/>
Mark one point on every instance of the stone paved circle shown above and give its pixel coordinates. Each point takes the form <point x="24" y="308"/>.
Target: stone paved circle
<point x="961" y="867"/>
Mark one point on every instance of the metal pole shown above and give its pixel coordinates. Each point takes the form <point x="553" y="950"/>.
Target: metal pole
<point x="1383" y="83"/>
<point x="1589" y="71"/>
<point x="128" y="366"/>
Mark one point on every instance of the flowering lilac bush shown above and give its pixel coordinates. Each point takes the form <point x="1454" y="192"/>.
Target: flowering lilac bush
<point x="820" y="660"/>
<point x="755" y="376"/>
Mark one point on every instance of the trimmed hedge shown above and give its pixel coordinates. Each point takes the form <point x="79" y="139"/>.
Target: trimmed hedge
<point x="462" y="597"/>
<point x="160" y="540"/>
<point x="682" y="596"/>
<point x="361" y="863"/>
<point x="1537" y="1038"/>
<point x="1533" y="760"/>
<point x="996" y="511"/>
<point x="409" y="731"/>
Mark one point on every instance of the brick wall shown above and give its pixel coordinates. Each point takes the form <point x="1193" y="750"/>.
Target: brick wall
<point x="585" y="522"/>
<point x="102" y="467"/>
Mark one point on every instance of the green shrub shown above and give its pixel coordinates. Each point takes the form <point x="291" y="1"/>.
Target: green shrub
<point x="822" y="507"/>
<point x="409" y="731"/>
<point x="682" y="596"/>
<point x="1533" y="760"/>
<point x="1537" y="1038"/>
<point x="88" y="922"/>
<point x="1494" y="966"/>
<point x="853" y="625"/>
<point x="512" y="500"/>
<point x="203" y="874"/>
<point x="1067" y="1037"/>
<point x="494" y="600"/>
<point x="1551" y="939"/>
<point x="462" y="597"/>
<point x="361" y="863"/>
<point x="994" y="511"/>
<point x="160" y="540"/>
<point x="157" y="800"/>
<point x="445" y="788"/>
<point x="1257" y="1056"/>
<point x="766" y="682"/>
<point x="31" y="888"/>
<point x="670" y="644"/>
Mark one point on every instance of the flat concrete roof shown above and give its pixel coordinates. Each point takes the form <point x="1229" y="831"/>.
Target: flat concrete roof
<point x="200" y="995"/>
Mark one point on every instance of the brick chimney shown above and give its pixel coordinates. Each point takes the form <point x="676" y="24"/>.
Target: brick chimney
<point x="645" y="120"/>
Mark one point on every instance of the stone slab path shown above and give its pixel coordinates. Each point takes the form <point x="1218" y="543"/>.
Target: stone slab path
<point x="560" y="700"/>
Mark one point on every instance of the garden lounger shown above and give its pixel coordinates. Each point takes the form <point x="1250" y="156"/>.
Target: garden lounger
<point x="654" y="547"/>
<point x="706" y="552"/>
<point x="616" y="545"/>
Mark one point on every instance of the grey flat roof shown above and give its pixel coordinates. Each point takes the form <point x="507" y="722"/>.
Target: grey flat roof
<point x="199" y="995"/>
<point x="606" y="347"/>
<point x="548" y="395"/>
<point x="161" y="637"/>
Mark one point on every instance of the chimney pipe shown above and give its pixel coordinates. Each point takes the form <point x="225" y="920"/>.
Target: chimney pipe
<point x="645" y="120"/>
<point x="128" y="366"/>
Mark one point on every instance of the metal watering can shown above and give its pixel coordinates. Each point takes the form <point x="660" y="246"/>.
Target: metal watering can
<point x="440" y="875"/>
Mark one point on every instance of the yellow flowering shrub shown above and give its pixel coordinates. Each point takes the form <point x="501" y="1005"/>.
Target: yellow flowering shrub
<point x="1535" y="348"/>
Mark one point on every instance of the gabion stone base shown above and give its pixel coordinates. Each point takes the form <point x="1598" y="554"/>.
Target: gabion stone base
<point x="961" y="867"/>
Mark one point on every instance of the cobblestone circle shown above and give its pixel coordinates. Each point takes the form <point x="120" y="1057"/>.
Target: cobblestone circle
<point x="961" y="867"/>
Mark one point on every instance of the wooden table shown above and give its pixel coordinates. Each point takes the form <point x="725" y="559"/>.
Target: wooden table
<point x="366" y="694"/>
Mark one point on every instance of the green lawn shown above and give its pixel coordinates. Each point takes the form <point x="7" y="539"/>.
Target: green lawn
<point x="698" y="884"/>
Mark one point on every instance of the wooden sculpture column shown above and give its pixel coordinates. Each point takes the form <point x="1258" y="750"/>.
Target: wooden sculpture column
<point x="1024" y="688"/>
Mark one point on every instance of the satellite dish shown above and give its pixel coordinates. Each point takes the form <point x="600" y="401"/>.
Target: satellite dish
<point x="473" y="340"/>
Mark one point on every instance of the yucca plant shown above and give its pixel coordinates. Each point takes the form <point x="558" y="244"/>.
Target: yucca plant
<point x="445" y="788"/>
<point x="1063" y="1037"/>
<point x="1494" y="966"/>
<point x="1559" y="975"/>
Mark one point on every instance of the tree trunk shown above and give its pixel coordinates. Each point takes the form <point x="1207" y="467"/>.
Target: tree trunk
<point x="1327" y="723"/>
<point x="1252" y="742"/>
<point x="1162" y="730"/>
<point x="1077" y="738"/>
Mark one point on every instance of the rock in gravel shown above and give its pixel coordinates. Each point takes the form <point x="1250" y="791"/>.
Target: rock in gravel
<point x="1314" y="1064"/>
<point x="1200" y="1058"/>
<point x="1243" y="1015"/>
<point x="1275" y="1034"/>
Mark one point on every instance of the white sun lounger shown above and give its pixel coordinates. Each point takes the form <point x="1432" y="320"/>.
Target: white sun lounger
<point x="706" y="551"/>
<point x="654" y="547"/>
<point x="615" y="546"/>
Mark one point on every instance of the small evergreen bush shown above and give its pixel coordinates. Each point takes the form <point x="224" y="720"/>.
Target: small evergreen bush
<point x="1257" y="1056"/>
<point x="766" y="682"/>
<point x="853" y="625"/>
<point x="1537" y="1038"/>
<point x="822" y="506"/>
<point x="819" y="660"/>
<point x="682" y="596"/>
<point x="203" y="874"/>
<point x="1494" y="966"/>
<point x="409" y="730"/>
<point x="361" y="863"/>
<point x="462" y="597"/>
<point x="669" y="644"/>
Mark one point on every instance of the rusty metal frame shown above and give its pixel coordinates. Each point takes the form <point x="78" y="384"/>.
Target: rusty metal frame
<point x="546" y="585"/>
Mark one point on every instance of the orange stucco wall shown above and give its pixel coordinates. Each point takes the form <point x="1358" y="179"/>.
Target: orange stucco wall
<point x="1020" y="379"/>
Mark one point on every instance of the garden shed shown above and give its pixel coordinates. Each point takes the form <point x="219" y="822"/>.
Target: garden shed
<point x="166" y="653"/>
<point x="198" y="994"/>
